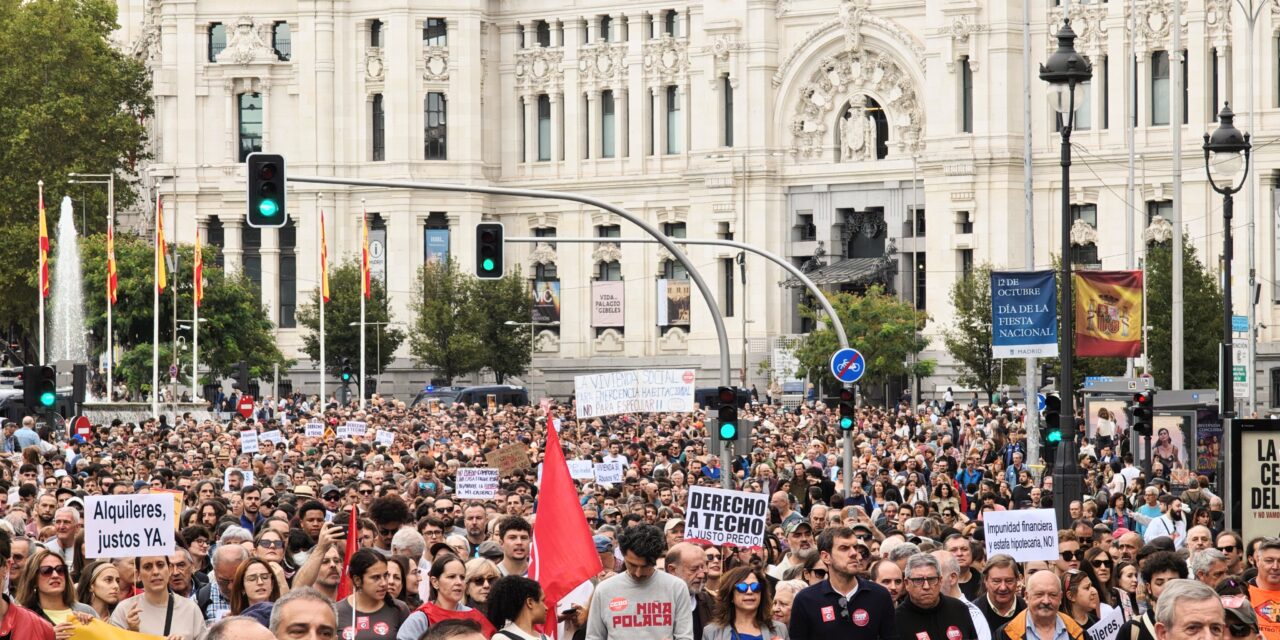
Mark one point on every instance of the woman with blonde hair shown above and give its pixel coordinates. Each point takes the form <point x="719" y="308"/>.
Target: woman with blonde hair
<point x="481" y="574"/>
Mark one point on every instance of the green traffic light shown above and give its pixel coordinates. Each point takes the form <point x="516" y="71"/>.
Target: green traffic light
<point x="487" y="264"/>
<point x="346" y="377"/>
<point x="48" y="398"/>
<point x="268" y="207"/>
<point x="846" y="423"/>
<point x="728" y="431"/>
<point x="1054" y="437"/>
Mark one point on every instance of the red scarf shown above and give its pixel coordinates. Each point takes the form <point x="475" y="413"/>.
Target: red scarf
<point x="436" y="614"/>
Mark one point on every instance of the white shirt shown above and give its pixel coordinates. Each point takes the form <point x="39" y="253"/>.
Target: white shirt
<point x="1165" y="526"/>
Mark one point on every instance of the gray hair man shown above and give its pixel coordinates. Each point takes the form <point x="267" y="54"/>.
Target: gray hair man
<point x="926" y="612"/>
<point x="949" y="567"/>
<point x="1208" y="566"/>
<point x="237" y="628"/>
<point x="1189" y="610"/>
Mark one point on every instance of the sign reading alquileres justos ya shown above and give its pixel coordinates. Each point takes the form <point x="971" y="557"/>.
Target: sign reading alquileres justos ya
<point x="642" y="391"/>
<point x="1024" y="319"/>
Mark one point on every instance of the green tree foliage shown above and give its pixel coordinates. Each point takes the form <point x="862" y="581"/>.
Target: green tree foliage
<point x="886" y="331"/>
<point x="234" y="323"/>
<point x="969" y="341"/>
<point x="507" y="349"/>
<point x="342" y="340"/>
<point x="72" y="103"/>
<point x="1202" y="317"/>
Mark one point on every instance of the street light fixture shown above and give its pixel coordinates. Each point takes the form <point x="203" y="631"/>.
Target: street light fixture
<point x="1066" y="71"/>
<point x="1226" y="157"/>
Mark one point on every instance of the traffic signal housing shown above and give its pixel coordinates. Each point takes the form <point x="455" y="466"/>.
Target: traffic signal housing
<point x="348" y="374"/>
<point x="727" y="414"/>
<point x="847" y="411"/>
<point x="489" y="251"/>
<point x="1142" y="410"/>
<point x="1051" y="427"/>
<point x="266" y="190"/>
<point x="39" y="387"/>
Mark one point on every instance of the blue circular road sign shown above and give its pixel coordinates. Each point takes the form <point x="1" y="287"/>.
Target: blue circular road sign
<point x="848" y="365"/>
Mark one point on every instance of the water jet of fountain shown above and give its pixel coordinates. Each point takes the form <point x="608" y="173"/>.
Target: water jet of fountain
<point x="68" y="330"/>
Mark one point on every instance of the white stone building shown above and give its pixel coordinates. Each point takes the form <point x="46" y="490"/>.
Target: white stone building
<point x="882" y="139"/>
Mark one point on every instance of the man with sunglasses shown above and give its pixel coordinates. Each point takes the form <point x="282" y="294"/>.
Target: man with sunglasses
<point x="844" y="605"/>
<point x="1230" y="544"/>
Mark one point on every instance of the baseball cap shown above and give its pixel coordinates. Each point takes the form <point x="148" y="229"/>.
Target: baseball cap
<point x="863" y="526"/>
<point x="328" y="488"/>
<point x="490" y="550"/>
<point x="603" y="544"/>
<point x="1240" y="612"/>
<point x="673" y="524"/>
<point x="796" y="524"/>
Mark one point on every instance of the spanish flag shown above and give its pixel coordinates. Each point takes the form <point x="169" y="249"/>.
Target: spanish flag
<point x="324" y="260"/>
<point x="1108" y="320"/>
<point x="197" y="274"/>
<point x="162" y="277"/>
<point x="113" y="277"/>
<point x="44" y="251"/>
<point x="365" y="284"/>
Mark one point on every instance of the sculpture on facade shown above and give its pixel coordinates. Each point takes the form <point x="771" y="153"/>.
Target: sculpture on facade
<point x="857" y="134"/>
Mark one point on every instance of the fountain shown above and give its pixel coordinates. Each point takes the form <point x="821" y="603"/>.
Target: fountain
<point x="67" y="331"/>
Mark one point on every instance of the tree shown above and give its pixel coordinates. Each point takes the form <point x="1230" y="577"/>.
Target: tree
<point x="443" y="334"/>
<point x="342" y="340"/>
<point x="507" y="349"/>
<point x="886" y="331"/>
<point x="1202" y="320"/>
<point x="73" y="102"/>
<point x="234" y="326"/>
<point x="969" y="342"/>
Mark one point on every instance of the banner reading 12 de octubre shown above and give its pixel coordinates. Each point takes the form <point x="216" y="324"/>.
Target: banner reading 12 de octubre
<point x="1024" y="319"/>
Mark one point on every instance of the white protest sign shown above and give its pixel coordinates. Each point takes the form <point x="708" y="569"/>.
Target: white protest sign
<point x="720" y="516"/>
<point x="581" y="469"/>
<point x="226" y="478"/>
<point x="476" y="483"/>
<point x="315" y="430"/>
<point x="1108" y="626"/>
<point x="128" y="525"/>
<point x="610" y="472"/>
<point x="386" y="438"/>
<point x="642" y="391"/>
<point x="271" y="436"/>
<point x="248" y="442"/>
<point x="1025" y="534"/>
<point x="353" y="429"/>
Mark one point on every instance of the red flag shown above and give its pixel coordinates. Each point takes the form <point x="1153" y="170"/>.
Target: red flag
<point x="44" y="250"/>
<point x="113" y="277"/>
<point x="561" y="537"/>
<point x="353" y="543"/>
<point x="197" y="273"/>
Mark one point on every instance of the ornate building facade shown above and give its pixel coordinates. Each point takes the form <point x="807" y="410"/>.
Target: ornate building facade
<point x="865" y="141"/>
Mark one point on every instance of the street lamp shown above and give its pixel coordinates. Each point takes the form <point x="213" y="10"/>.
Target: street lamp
<point x="1226" y="157"/>
<point x="1066" y="71"/>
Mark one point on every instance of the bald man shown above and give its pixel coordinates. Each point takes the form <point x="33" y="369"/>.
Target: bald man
<point x="1044" y="595"/>
<point x="688" y="562"/>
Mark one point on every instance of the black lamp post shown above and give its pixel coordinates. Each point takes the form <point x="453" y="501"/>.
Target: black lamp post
<point x="1066" y="71"/>
<point x="1226" y="157"/>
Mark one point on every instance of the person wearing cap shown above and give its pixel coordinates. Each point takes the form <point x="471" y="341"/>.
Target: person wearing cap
<point x="674" y="531"/>
<point x="608" y="562"/>
<point x="332" y="497"/>
<point x="800" y="541"/>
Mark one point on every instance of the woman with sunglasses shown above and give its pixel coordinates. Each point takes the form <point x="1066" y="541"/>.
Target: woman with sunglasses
<point x="448" y="576"/>
<point x="815" y="570"/>
<point x="1102" y="565"/>
<point x="376" y="613"/>
<point x="45" y="588"/>
<point x="715" y="569"/>
<point x="744" y="608"/>
<point x="100" y="588"/>
<point x="481" y="574"/>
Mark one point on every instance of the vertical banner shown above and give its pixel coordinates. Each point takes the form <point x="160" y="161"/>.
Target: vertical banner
<point x="1108" y="313"/>
<point x="378" y="254"/>
<point x="1257" y="477"/>
<point x="436" y="245"/>
<point x="673" y="303"/>
<point x="607" y="308"/>
<point x="1024" y="314"/>
<point x="546" y="301"/>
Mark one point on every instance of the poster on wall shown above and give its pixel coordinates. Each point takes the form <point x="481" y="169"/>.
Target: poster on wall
<point x="607" y="308"/>
<point x="1256" y="508"/>
<point x="546" y="301"/>
<point x="1098" y="410"/>
<point x="673" y="303"/>
<point x="1171" y="446"/>
<point x="1209" y="445"/>
<point x="437" y="245"/>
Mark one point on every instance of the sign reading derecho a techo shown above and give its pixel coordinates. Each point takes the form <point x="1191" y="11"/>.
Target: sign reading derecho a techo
<point x="721" y="516"/>
<point x="642" y="391"/>
<point x="1025" y="534"/>
<point x="128" y="525"/>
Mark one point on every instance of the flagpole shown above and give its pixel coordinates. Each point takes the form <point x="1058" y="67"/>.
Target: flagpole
<point x="365" y="282"/>
<point x="40" y="284"/>
<point x="321" y="254"/>
<point x="155" y="309"/>
<point x="196" y="275"/>
<point x="111" y="232"/>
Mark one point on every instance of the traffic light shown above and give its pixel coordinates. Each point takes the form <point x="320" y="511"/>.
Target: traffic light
<point x="241" y="376"/>
<point x="489" y="248"/>
<point x="1045" y="378"/>
<point x="1142" y="409"/>
<point x="347" y="373"/>
<point x="39" y="387"/>
<point x="846" y="410"/>
<point x="266" y="190"/>
<point x="727" y="414"/>
<point x="1051" y="427"/>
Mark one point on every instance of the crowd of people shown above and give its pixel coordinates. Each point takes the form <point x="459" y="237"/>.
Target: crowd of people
<point x="262" y="538"/>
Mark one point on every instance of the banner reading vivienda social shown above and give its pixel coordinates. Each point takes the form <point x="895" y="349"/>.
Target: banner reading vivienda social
<point x="1025" y="534"/>
<point x="641" y="391"/>
<point x="128" y="525"/>
<point x="1024" y="316"/>
<point x="721" y="516"/>
<point x="1108" y="313"/>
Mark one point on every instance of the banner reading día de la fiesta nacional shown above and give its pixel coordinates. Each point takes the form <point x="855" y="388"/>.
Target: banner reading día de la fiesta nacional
<point x="1108" y="313"/>
<point x="1024" y="317"/>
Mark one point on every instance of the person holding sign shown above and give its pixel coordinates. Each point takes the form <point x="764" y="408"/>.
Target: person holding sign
<point x="157" y="611"/>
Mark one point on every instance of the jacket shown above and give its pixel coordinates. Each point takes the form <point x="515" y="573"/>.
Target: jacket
<point x="1016" y="629"/>
<point x="717" y="632"/>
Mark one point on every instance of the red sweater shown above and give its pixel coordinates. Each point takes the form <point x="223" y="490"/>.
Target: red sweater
<point x="22" y="623"/>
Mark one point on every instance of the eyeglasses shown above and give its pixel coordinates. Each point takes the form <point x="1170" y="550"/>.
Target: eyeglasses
<point x="271" y="544"/>
<point x="713" y="557"/>
<point x="484" y="580"/>
<point x="821" y="573"/>
<point x="443" y="509"/>
<point x="1229" y="549"/>
<point x="387" y="533"/>
<point x="258" y="578"/>
<point x="48" y="571"/>
<point x="1070" y="556"/>
<point x="365" y="492"/>
<point x="1100" y="563"/>
<point x="1085" y="542"/>
<point x="927" y="581"/>
<point x="747" y="587"/>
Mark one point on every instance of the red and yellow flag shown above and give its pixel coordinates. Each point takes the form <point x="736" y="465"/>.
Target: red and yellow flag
<point x="365" y="283"/>
<point x="113" y="277"/>
<point x="197" y="274"/>
<point x="44" y="251"/>
<point x="162" y="277"/>
<point x="1108" y="313"/>
<point x="324" y="260"/>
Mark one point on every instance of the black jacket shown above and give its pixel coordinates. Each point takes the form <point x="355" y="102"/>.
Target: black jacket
<point x="816" y="614"/>
<point x="995" y="620"/>
<point x="948" y="620"/>
<point x="702" y="613"/>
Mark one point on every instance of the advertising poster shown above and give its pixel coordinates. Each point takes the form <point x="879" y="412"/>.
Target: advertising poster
<point x="1170" y="447"/>
<point x="1098" y="409"/>
<point x="673" y="303"/>
<point x="1024" y="320"/>
<point x="1209" y="440"/>
<point x="437" y="245"/>
<point x="546" y="301"/>
<point x="607" y="308"/>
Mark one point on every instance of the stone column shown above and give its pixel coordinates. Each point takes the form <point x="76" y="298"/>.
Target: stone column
<point x="659" y="120"/>
<point x="620" y="123"/>
<point x="530" y="128"/>
<point x="229" y="123"/>
<point x="616" y="27"/>
<point x="233" y="244"/>
<point x="593" y="123"/>
<point x="557" y="128"/>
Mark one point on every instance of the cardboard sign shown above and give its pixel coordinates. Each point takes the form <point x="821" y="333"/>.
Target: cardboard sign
<point x="1025" y="534"/>
<point x="271" y="436"/>
<point x="509" y="459"/>
<point x="609" y="472"/>
<point x="476" y="483"/>
<point x="385" y="438"/>
<point x="226" y="478"/>
<point x="720" y="516"/>
<point x="1108" y="626"/>
<point x="314" y="430"/>
<point x="637" y="391"/>
<point x="581" y="469"/>
<point x="248" y="442"/>
<point x="129" y="525"/>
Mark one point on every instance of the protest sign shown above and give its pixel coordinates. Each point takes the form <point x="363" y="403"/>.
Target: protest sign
<point x="385" y="438"/>
<point x="248" y="442"/>
<point x="610" y="472"/>
<point x="476" y="483"/>
<point x="99" y="630"/>
<point x="271" y="436"/>
<point x="1108" y="626"/>
<point x="642" y="391"/>
<point x="353" y="429"/>
<point x="1257" y="475"/>
<point x="226" y="478"/>
<point x="581" y="469"/>
<point x="315" y="430"/>
<point x="720" y="516"/>
<point x="510" y="458"/>
<point x="129" y="525"/>
<point x="1025" y="534"/>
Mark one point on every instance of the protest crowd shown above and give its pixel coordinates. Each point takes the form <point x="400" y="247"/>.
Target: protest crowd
<point x="356" y="522"/>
